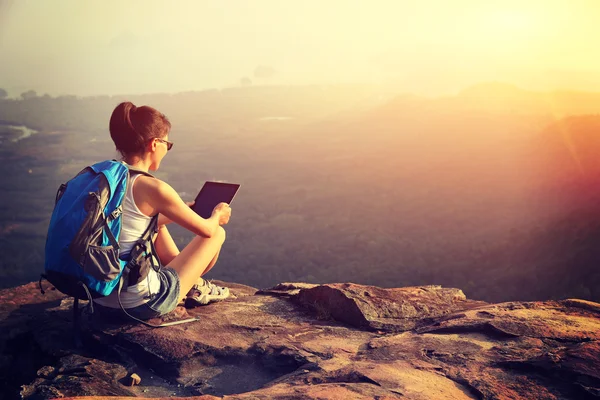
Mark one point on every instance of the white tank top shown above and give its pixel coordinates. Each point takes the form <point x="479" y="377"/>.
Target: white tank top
<point x="134" y="224"/>
<point x="134" y="221"/>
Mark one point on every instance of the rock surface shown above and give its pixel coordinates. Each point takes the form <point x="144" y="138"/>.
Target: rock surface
<point x="298" y="341"/>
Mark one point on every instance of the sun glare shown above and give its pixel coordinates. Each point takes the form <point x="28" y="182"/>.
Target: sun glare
<point x="512" y="21"/>
<point x="508" y="24"/>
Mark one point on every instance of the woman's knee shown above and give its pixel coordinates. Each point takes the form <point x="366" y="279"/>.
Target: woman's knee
<point x="220" y="235"/>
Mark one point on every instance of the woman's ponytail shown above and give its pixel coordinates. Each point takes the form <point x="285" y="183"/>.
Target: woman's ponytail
<point x="128" y="108"/>
<point x="131" y="127"/>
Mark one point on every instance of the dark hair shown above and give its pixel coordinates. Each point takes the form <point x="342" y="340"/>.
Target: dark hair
<point x="132" y="127"/>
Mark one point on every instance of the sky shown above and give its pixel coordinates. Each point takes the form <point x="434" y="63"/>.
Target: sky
<point x="97" y="47"/>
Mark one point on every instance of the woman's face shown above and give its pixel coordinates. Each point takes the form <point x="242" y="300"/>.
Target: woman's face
<point x="158" y="149"/>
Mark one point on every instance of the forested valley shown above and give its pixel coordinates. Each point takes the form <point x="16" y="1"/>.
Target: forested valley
<point x="494" y="190"/>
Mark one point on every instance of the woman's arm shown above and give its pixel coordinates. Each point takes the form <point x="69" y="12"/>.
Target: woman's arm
<point x="159" y="197"/>
<point x="163" y="220"/>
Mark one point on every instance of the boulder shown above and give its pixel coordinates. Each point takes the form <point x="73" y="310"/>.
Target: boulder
<point x="394" y="310"/>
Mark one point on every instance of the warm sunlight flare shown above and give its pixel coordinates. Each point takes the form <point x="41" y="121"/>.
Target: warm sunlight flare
<point x="570" y="146"/>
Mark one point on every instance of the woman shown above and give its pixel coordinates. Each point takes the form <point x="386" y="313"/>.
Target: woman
<point x="141" y="135"/>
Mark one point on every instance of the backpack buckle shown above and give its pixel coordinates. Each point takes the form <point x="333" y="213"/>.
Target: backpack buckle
<point x="117" y="211"/>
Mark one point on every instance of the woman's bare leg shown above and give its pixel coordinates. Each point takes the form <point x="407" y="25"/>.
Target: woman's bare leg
<point x="196" y="258"/>
<point x="212" y="263"/>
<point x="165" y="246"/>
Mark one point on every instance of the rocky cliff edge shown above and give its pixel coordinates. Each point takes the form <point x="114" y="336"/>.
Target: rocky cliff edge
<point x="301" y="341"/>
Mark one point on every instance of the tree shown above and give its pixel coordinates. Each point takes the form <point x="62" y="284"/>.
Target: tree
<point x="30" y="94"/>
<point x="3" y="94"/>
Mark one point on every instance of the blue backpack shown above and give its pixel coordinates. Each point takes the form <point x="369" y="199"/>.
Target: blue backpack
<point x="82" y="247"/>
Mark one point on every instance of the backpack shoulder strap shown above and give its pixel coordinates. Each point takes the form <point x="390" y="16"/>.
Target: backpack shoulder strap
<point x="143" y="250"/>
<point x="153" y="226"/>
<point x="134" y="170"/>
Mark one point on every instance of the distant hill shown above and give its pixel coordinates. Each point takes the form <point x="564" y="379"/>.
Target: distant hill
<point x="497" y="98"/>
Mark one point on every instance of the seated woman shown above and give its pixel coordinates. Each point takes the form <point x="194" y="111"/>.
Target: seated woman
<point x="141" y="135"/>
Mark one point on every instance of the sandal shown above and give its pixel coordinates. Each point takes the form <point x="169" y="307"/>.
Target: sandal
<point x="200" y="295"/>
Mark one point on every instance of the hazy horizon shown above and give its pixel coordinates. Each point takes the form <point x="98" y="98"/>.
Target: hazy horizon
<point x="433" y="48"/>
<point x="484" y="179"/>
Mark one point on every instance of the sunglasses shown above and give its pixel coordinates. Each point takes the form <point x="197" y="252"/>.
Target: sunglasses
<point x="169" y="144"/>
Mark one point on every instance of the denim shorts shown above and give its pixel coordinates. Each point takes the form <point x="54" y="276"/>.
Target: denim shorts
<point x="161" y="303"/>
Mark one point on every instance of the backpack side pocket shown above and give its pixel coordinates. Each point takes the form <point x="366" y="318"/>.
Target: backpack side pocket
<point x="81" y="240"/>
<point x="102" y="262"/>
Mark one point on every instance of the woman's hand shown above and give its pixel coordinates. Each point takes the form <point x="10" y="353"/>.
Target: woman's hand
<point x="223" y="213"/>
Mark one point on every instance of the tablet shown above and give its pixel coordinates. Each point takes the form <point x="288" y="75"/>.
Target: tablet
<point x="211" y="194"/>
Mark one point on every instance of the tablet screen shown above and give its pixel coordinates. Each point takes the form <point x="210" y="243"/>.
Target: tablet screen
<point x="211" y="194"/>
